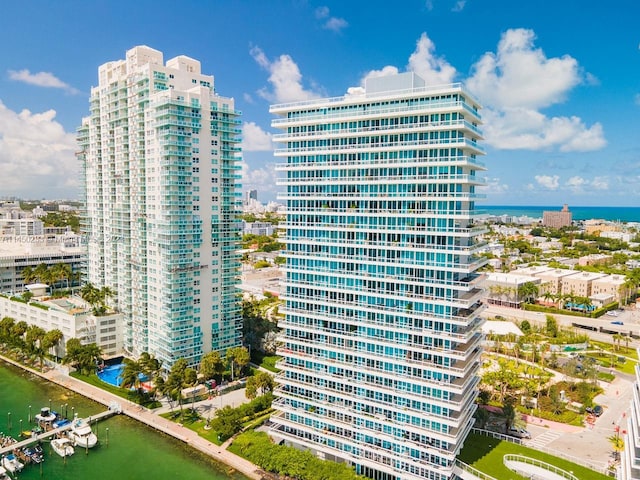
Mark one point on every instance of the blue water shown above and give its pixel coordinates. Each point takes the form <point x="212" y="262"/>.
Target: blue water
<point x="621" y="214"/>
<point x="111" y="374"/>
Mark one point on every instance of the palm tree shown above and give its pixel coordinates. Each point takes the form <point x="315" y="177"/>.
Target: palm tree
<point x="529" y="291"/>
<point x="6" y="326"/>
<point x="130" y="376"/>
<point x="62" y="271"/>
<point x="509" y="413"/>
<point x="617" y="444"/>
<point x="617" y="338"/>
<point x="548" y="296"/>
<point x="52" y="339"/>
<point x="28" y="275"/>
<point x="41" y="272"/>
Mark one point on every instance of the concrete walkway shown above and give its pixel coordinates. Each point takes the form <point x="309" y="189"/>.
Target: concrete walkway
<point x="150" y="418"/>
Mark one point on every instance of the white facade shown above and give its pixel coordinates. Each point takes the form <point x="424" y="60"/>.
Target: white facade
<point x="381" y="336"/>
<point x="161" y="159"/>
<point x="19" y="252"/>
<point x="630" y="461"/>
<point x="72" y="317"/>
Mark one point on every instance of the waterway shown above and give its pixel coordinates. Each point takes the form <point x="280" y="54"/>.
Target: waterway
<point x="127" y="450"/>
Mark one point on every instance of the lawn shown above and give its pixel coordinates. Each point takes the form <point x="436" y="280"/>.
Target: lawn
<point x="486" y="454"/>
<point x="193" y="421"/>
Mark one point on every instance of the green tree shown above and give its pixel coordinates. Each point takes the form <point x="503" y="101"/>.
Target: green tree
<point x="6" y="327"/>
<point x="28" y="275"/>
<point x="237" y="357"/>
<point x="228" y="421"/>
<point x="130" y="375"/>
<point x="52" y="339"/>
<point x="83" y="357"/>
<point x="259" y="384"/>
<point x="505" y="380"/>
<point x="551" y="326"/>
<point x="482" y="416"/>
<point x="211" y="365"/>
<point x="509" y="414"/>
<point x="529" y="292"/>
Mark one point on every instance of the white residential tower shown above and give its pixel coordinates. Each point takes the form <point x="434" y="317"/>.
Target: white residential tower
<point x="381" y="332"/>
<point x="161" y="158"/>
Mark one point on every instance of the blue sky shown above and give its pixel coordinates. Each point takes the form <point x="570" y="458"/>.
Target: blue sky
<point x="559" y="80"/>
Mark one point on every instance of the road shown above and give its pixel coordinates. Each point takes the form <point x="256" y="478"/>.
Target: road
<point x="629" y="318"/>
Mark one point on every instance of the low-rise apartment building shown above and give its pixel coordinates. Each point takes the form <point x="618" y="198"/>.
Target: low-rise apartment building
<point x="72" y="316"/>
<point x="580" y="283"/>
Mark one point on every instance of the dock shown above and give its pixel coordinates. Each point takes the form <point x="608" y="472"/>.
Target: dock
<point x="55" y="431"/>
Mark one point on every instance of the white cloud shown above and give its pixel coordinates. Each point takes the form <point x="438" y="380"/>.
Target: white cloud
<point x="435" y="70"/>
<point x="600" y="183"/>
<point x="335" y="24"/>
<point x="254" y="139"/>
<point x="576" y="182"/>
<point x="579" y="184"/>
<point x="285" y="79"/>
<point x="549" y="182"/>
<point x="494" y="186"/>
<point x="459" y="6"/>
<point x="262" y="178"/>
<point x="521" y="128"/>
<point x="520" y="75"/>
<point x="36" y="155"/>
<point x="41" y="79"/>
<point x="515" y="83"/>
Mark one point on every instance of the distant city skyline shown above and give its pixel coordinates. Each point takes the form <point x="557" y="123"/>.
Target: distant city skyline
<point x="559" y="103"/>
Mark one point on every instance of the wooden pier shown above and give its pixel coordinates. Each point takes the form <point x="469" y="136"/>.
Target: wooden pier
<point x="51" y="433"/>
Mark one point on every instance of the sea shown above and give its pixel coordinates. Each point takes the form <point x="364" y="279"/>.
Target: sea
<point x="126" y="450"/>
<point x="613" y="214"/>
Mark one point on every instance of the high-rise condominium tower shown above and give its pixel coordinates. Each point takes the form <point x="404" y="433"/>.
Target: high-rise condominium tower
<point x="160" y="157"/>
<point x="381" y="330"/>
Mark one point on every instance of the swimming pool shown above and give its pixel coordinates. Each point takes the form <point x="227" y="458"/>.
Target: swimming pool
<point x="111" y="374"/>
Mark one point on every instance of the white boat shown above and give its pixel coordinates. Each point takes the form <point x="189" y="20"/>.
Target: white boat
<point x="11" y="463"/>
<point x="81" y="434"/>
<point x="63" y="447"/>
<point x="45" y="417"/>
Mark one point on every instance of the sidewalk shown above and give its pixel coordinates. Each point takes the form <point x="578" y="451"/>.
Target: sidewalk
<point x="150" y="418"/>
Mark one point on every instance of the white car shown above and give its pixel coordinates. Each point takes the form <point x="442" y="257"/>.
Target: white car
<point x="518" y="432"/>
<point x="612" y="313"/>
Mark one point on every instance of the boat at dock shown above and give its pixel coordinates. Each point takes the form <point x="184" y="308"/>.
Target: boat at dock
<point x="35" y="453"/>
<point x="62" y="446"/>
<point x="46" y="417"/>
<point x="11" y="463"/>
<point x="81" y="434"/>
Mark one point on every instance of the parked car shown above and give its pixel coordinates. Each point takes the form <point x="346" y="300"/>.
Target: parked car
<point x="617" y="322"/>
<point x="595" y="410"/>
<point x="518" y="432"/>
<point x="612" y="313"/>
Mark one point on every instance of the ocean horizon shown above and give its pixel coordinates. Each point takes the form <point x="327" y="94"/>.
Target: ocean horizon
<point x="613" y="214"/>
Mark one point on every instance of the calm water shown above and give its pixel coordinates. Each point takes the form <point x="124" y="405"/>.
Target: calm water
<point x="133" y="451"/>
<point x="622" y="214"/>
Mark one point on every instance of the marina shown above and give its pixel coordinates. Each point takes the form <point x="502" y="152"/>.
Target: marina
<point x="125" y="448"/>
<point x="54" y="432"/>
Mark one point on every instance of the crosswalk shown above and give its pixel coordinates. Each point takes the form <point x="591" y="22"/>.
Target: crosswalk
<point x="543" y="439"/>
